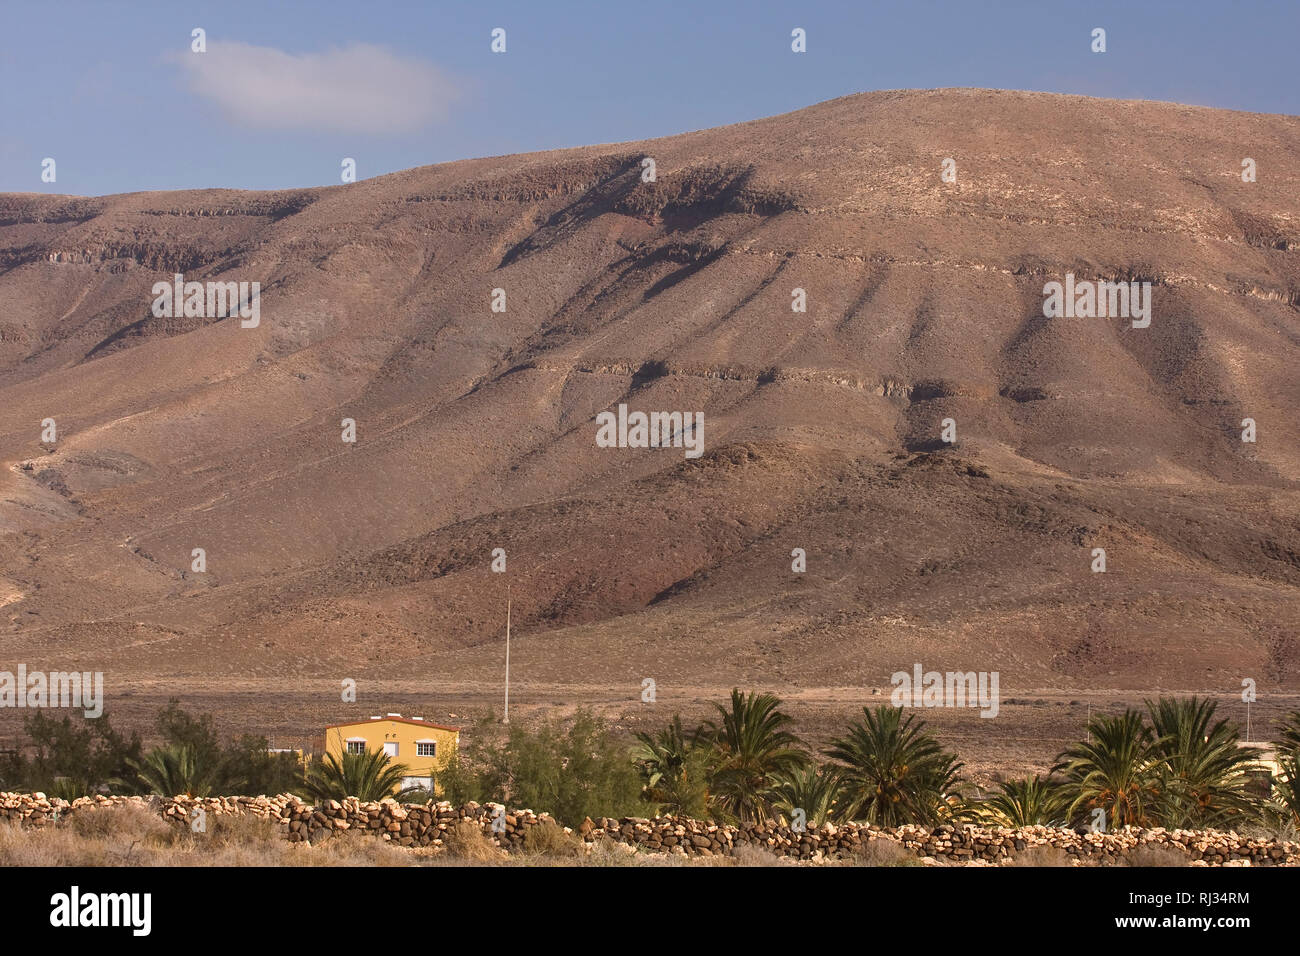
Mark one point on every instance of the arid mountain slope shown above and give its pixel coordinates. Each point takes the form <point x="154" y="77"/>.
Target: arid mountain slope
<point x="476" y="429"/>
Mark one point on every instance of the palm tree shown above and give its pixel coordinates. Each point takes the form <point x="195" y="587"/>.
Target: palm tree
<point x="369" y="775"/>
<point x="68" y="788"/>
<point x="1117" y="770"/>
<point x="1285" y="800"/>
<point x="809" y="788"/>
<point x="674" y="772"/>
<point x="751" y="747"/>
<point x="175" y="770"/>
<point x="1028" y="802"/>
<point x="894" y="772"/>
<point x="1204" y="779"/>
<point x="1290" y="736"/>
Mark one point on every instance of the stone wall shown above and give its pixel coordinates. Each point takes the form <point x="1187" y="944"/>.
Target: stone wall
<point x="422" y="825"/>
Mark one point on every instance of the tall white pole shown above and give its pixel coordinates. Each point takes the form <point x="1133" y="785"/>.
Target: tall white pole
<point x="506" y="718"/>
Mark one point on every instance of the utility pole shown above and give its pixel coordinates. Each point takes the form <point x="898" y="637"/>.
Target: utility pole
<point x="506" y="718"/>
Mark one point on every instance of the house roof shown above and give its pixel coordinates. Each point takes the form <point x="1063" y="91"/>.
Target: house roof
<point x="395" y="720"/>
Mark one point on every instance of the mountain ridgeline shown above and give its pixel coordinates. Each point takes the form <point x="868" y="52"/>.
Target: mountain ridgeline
<point x="473" y="319"/>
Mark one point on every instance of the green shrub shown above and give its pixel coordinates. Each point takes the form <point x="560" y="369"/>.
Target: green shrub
<point x="70" y="756"/>
<point x="570" y="772"/>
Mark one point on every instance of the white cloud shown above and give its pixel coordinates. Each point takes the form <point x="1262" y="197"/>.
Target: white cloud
<point x="360" y="89"/>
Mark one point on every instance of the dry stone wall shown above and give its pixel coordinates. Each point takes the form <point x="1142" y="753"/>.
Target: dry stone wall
<point x="422" y="825"/>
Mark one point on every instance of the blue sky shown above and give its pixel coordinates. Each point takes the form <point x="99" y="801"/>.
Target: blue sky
<point x="112" y="91"/>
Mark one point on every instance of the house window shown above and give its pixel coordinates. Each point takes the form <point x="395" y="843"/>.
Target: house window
<point x="356" y="746"/>
<point x="426" y="750"/>
<point x="390" y="748"/>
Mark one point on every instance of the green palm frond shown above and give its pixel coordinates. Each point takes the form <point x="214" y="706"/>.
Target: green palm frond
<point x="175" y="770"/>
<point x="812" y="789"/>
<point x="894" y="772"/>
<point x="751" y="748"/>
<point x="1117" y="769"/>
<point x="367" y="776"/>
<point x="1285" y="800"/>
<point x="1204" y="776"/>
<point x="674" y="772"/>
<point x="1030" y="801"/>
<point x="1289" y="733"/>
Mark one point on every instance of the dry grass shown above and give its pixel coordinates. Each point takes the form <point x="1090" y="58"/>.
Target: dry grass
<point x="883" y="852"/>
<point x="605" y="852"/>
<point x="111" y="823"/>
<point x="747" y="854"/>
<point x="352" y="848"/>
<point x="134" y="835"/>
<point x="548" y="838"/>
<point x="1044" y="854"/>
<point x="467" y="843"/>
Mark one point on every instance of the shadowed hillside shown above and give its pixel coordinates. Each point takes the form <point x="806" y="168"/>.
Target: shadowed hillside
<point x="476" y="430"/>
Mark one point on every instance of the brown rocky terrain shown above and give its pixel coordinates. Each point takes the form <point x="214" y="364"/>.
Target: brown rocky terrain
<point x="476" y="429"/>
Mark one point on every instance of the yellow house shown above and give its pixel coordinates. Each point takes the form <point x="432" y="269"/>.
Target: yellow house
<point x="420" y="744"/>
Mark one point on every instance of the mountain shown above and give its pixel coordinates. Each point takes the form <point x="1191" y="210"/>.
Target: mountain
<point x="476" y="429"/>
